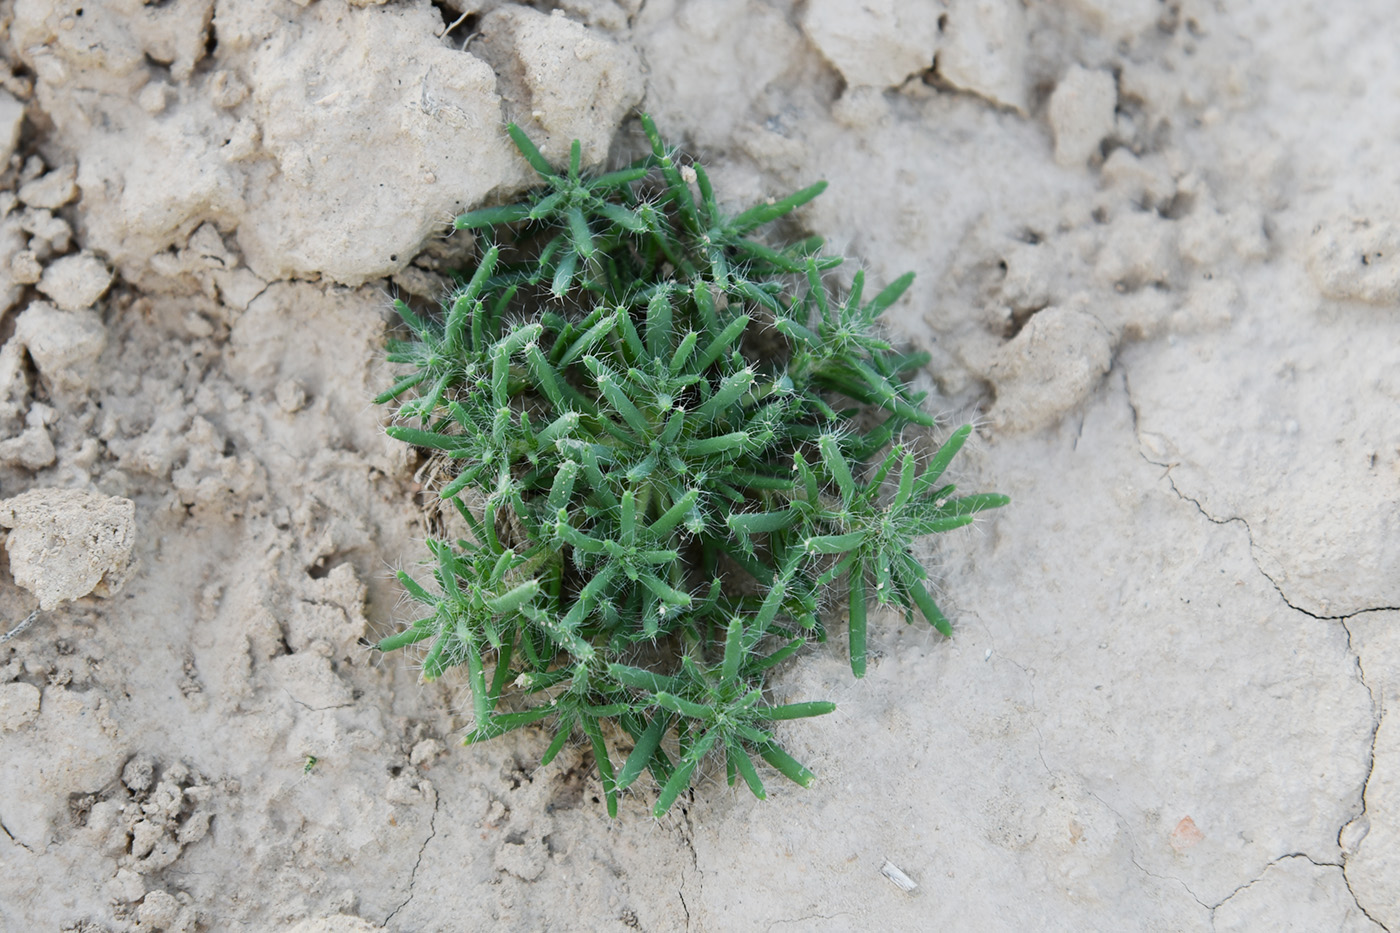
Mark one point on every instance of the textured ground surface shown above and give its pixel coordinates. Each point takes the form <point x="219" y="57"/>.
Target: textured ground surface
<point x="1158" y="262"/>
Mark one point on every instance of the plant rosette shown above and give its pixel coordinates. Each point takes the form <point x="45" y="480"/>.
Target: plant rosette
<point x="670" y="442"/>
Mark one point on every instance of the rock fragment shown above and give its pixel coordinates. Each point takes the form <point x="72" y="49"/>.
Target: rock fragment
<point x="139" y="773"/>
<point x="159" y="910"/>
<point x="547" y="59"/>
<point x="1081" y="114"/>
<point x="1147" y="180"/>
<point x="32" y="448"/>
<point x="67" y="543"/>
<point x="19" y="706"/>
<point x="397" y="90"/>
<point x="984" y="50"/>
<point x="879" y="46"/>
<point x="25" y="268"/>
<point x="1357" y="259"/>
<point x="63" y="344"/>
<point x="12" y="244"/>
<point x="11" y="119"/>
<point x="1048" y="368"/>
<point x="53" y="190"/>
<point x="425" y="751"/>
<point x="76" y="282"/>
<point x="154" y="97"/>
<point x="48" y="234"/>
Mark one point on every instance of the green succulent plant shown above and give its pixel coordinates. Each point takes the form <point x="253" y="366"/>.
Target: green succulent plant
<point x="668" y="440"/>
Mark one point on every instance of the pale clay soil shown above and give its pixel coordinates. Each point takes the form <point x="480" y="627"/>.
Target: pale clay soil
<point x="1158" y="263"/>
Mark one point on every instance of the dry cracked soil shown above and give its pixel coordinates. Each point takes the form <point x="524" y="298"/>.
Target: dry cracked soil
<point x="1157" y="246"/>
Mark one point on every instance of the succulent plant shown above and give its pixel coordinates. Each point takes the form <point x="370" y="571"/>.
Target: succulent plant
<point x="669" y="441"/>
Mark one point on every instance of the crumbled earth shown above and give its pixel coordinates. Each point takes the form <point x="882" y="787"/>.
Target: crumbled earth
<point x="1158" y="266"/>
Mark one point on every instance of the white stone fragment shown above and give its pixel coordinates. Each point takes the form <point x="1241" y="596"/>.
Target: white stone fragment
<point x="11" y="120"/>
<point x="425" y="751"/>
<point x="878" y="43"/>
<point x="984" y="50"/>
<point x="238" y="288"/>
<point x="126" y="886"/>
<point x="67" y="543"/>
<point x="158" y="910"/>
<point x="154" y="97"/>
<point x="76" y="282"/>
<point x="1146" y="180"/>
<point x="32" y="448"/>
<point x="63" y="344"/>
<point x="422" y="283"/>
<point x="48" y="234"/>
<point x="53" y="190"/>
<point x="290" y="395"/>
<point x="34" y="166"/>
<point x="12" y="243"/>
<point x="139" y="773"/>
<point x="1030" y="276"/>
<point x="900" y="879"/>
<point x="1081" y="114"/>
<point x="19" y="706"/>
<point x="1357" y="259"/>
<point x="25" y="268"/>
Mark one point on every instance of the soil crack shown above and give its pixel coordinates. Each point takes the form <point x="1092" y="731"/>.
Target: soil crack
<point x="688" y="836"/>
<point x="1249" y="532"/>
<point x="1303" y="855"/>
<point x="315" y="709"/>
<point x="11" y="836"/>
<point x="1359" y="906"/>
<point x="1132" y="841"/>
<point x="1340" y="619"/>
<point x="413" y="875"/>
<point x="1376" y="715"/>
<point x="1184" y="886"/>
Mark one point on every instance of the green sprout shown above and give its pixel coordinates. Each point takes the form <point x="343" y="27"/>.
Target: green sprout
<point x="668" y="442"/>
